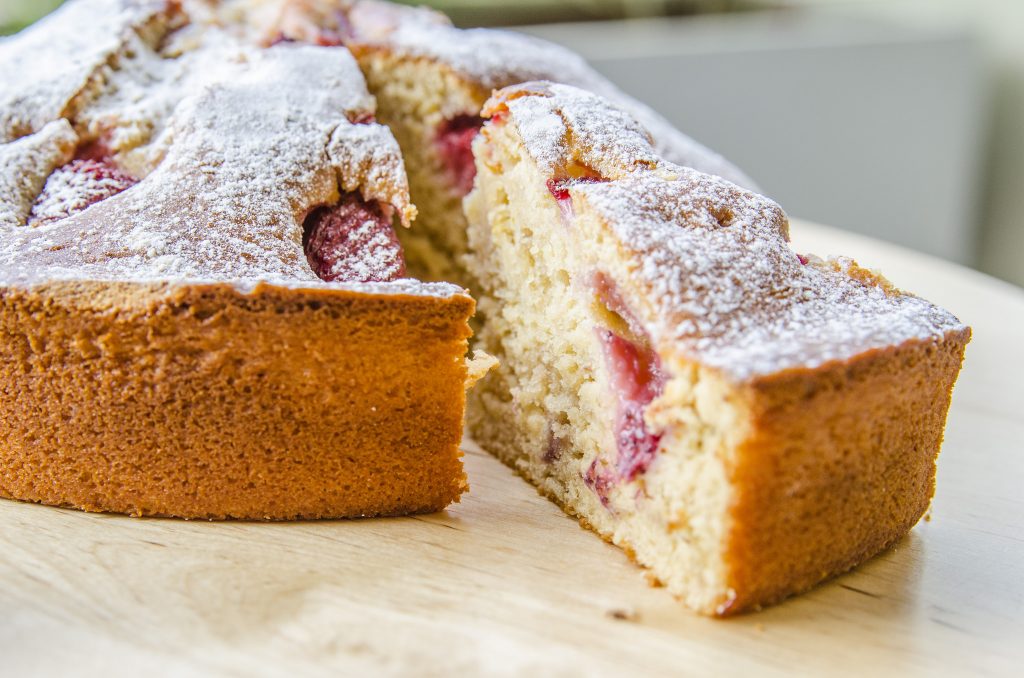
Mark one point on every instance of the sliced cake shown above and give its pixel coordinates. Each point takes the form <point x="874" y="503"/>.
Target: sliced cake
<point x="744" y="420"/>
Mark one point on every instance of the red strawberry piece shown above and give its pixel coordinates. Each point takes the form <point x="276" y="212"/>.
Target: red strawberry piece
<point x="79" y="184"/>
<point x="353" y="241"/>
<point x="455" y="146"/>
<point x="638" y="379"/>
<point x="559" y="188"/>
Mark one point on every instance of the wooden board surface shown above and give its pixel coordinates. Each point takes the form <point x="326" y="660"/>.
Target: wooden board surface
<point x="506" y="584"/>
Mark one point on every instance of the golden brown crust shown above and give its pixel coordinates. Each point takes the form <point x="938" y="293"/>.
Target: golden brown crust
<point x="206" y="402"/>
<point x="840" y="464"/>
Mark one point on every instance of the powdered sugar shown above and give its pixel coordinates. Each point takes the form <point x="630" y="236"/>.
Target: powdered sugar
<point x="24" y="166"/>
<point x="550" y="116"/>
<point x="543" y="131"/>
<point x="373" y="267"/>
<point x="74" y="187"/>
<point x="235" y="145"/>
<point x="55" y="66"/>
<point x="734" y="294"/>
<point x="367" y="159"/>
<point x="704" y="264"/>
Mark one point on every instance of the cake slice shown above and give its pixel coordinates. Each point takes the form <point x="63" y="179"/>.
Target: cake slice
<point x="743" y="420"/>
<point x="431" y="80"/>
<point x="203" y="304"/>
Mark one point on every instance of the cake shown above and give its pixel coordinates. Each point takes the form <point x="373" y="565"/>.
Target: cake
<point x="431" y="79"/>
<point x="207" y="310"/>
<point x="744" y="420"/>
<point x="204" y="307"/>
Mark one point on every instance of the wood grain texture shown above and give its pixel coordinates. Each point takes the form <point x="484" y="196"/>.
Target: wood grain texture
<point x="505" y="584"/>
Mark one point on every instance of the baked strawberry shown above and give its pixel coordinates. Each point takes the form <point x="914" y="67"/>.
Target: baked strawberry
<point x="638" y="379"/>
<point x="455" y="146"/>
<point x="353" y="241"/>
<point x="77" y="185"/>
<point x="559" y="188"/>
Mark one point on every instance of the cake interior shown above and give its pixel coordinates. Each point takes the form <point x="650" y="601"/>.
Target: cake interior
<point x="545" y="408"/>
<point x="569" y="356"/>
<point x="434" y="116"/>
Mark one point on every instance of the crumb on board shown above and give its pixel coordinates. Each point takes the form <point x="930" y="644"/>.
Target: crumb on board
<point x="623" y="614"/>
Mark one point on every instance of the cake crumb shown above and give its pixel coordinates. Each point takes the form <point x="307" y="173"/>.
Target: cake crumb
<point x="653" y="580"/>
<point x="623" y="614"/>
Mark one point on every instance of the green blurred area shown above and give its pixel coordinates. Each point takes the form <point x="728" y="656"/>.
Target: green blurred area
<point x="16" y="14"/>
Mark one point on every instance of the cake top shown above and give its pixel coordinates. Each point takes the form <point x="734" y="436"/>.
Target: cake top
<point x="487" y="58"/>
<point x="705" y="265"/>
<point x="143" y="143"/>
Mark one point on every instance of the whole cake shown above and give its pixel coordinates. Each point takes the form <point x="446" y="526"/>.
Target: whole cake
<point x="742" y="419"/>
<point x="202" y="298"/>
<point x="206" y="312"/>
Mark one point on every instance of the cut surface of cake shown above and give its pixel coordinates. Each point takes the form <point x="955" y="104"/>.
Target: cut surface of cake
<point x="203" y="301"/>
<point x="744" y="420"/>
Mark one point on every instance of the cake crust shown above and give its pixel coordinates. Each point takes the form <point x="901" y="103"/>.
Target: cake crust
<point x="839" y="465"/>
<point x="206" y="401"/>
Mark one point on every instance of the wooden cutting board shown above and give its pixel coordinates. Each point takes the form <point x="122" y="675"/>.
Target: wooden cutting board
<point x="504" y="583"/>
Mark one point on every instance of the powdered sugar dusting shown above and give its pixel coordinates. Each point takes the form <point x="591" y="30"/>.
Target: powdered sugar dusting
<point x="734" y="294"/>
<point x="707" y="265"/>
<point x="74" y="187"/>
<point x="544" y="132"/>
<point x="550" y="117"/>
<point x="46" y="69"/>
<point x="353" y="240"/>
<point x="234" y="144"/>
<point x="368" y="159"/>
<point x="373" y="267"/>
<point x="24" y="166"/>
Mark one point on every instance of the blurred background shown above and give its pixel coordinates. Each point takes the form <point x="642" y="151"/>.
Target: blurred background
<point x="899" y="119"/>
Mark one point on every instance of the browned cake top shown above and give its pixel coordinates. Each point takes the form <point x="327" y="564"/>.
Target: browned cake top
<point x="140" y="143"/>
<point x="710" y="269"/>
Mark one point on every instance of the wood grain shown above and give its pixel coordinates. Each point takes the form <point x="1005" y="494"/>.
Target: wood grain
<point x="505" y="584"/>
